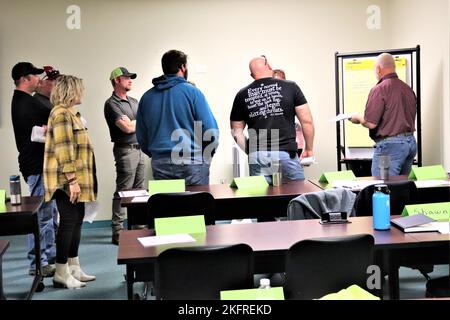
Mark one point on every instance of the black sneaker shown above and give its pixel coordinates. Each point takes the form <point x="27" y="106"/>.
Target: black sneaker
<point x="115" y="239"/>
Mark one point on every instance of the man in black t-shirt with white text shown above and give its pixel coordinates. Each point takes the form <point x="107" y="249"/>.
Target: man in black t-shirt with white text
<point x="268" y="107"/>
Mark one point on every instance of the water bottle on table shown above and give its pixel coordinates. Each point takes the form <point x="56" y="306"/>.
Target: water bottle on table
<point x="14" y="190"/>
<point x="381" y="208"/>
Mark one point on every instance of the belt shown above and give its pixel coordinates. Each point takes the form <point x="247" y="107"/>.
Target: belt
<point x="127" y="145"/>
<point x="404" y="134"/>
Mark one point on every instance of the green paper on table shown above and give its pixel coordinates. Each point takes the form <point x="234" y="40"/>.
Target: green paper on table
<point x="428" y="173"/>
<point x="252" y="182"/>
<point x="353" y="292"/>
<point x="438" y="211"/>
<point x="253" y="294"/>
<point x="166" y="186"/>
<point x="184" y="224"/>
<point x="2" y="196"/>
<point x="329" y="177"/>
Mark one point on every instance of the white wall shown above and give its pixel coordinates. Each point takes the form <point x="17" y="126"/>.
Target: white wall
<point x="413" y="22"/>
<point x="300" y="36"/>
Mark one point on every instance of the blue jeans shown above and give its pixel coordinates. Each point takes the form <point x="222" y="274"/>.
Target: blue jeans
<point x="195" y="174"/>
<point x="266" y="163"/>
<point x="46" y="215"/>
<point x="401" y="150"/>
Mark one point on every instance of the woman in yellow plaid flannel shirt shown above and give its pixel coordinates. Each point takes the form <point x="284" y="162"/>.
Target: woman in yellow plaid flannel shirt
<point x="69" y="177"/>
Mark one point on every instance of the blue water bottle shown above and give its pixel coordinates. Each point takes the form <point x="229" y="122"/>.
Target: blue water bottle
<point x="381" y="208"/>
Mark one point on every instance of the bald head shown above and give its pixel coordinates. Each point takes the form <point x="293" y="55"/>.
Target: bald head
<point x="260" y="68"/>
<point x="384" y="64"/>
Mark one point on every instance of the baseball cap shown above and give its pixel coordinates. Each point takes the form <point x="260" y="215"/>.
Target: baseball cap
<point x="51" y="73"/>
<point x="22" y="69"/>
<point x="121" y="71"/>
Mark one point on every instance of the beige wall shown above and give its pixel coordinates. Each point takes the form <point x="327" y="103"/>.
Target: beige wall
<point x="300" y="36"/>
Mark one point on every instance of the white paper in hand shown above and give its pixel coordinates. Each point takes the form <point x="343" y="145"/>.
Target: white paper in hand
<point x="307" y="161"/>
<point x="38" y="134"/>
<point x="342" y="116"/>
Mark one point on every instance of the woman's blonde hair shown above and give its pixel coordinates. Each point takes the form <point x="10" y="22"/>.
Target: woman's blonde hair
<point x="67" y="92"/>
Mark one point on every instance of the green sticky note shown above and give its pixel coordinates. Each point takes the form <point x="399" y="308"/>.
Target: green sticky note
<point x="184" y="224"/>
<point x="253" y="294"/>
<point x="329" y="177"/>
<point x="166" y="186"/>
<point x="252" y="182"/>
<point x="2" y="196"/>
<point x="438" y="211"/>
<point x="428" y="173"/>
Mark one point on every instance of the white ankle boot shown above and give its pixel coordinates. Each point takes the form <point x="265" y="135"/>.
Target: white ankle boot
<point x="63" y="278"/>
<point x="77" y="272"/>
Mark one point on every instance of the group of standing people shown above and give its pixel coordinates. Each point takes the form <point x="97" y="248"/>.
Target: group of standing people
<point x="173" y="124"/>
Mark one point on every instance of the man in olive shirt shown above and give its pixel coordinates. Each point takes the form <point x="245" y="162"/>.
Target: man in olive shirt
<point x="120" y="113"/>
<point x="390" y="116"/>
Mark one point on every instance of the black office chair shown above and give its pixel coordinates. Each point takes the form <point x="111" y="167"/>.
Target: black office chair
<point x="401" y="194"/>
<point x="200" y="273"/>
<point x="163" y="205"/>
<point x="316" y="267"/>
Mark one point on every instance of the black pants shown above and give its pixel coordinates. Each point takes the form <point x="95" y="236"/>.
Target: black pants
<point x="69" y="232"/>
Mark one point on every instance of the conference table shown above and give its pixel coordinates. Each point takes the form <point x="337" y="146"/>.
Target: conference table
<point x="233" y="203"/>
<point x="19" y="220"/>
<point x="426" y="194"/>
<point x="4" y="244"/>
<point x="271" y="240"/>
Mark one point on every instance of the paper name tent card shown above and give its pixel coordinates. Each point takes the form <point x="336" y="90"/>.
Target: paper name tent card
<point x="439" y="211"/>
<point x="415" y="223"/>
<point x="252" y="182"/>
<point x="329" y="177"/>
<point x="184" y="224"/>
<point x="166" y="186"/>
<point x="275" y="293"/>
<point x="428" y="173"/>
<point x="2" y="196"/>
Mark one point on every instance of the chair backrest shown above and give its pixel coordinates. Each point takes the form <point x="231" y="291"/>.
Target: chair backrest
<point x="162" y="205"/>
<point x="401" y="194"/>
<point x="200" y="273"/>
<point x="316" y="267"/>
<point x="311" y="205"/>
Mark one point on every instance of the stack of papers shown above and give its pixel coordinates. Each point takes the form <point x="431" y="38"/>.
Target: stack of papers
<point x="355" y="185"/>
<point x="431" y="183"/>
<point x="133" y="193"/>
<point x="166" y="239"/>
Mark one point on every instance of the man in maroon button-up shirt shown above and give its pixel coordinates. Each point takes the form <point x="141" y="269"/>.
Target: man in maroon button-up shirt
<point x="390" y="116"/>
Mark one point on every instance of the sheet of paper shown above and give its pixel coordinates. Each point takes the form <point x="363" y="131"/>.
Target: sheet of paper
<point x="140" y="199"/>
<point x="133" y="193"/>
<point x="443" y="227"/>
<point x="90" y="211"/>
<point x="166" y="239"/>
<point x="38" y="134"/>
<point x="431" y="183"/>
<point x="342" y="116"/>
<point x="355" y="184"/>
